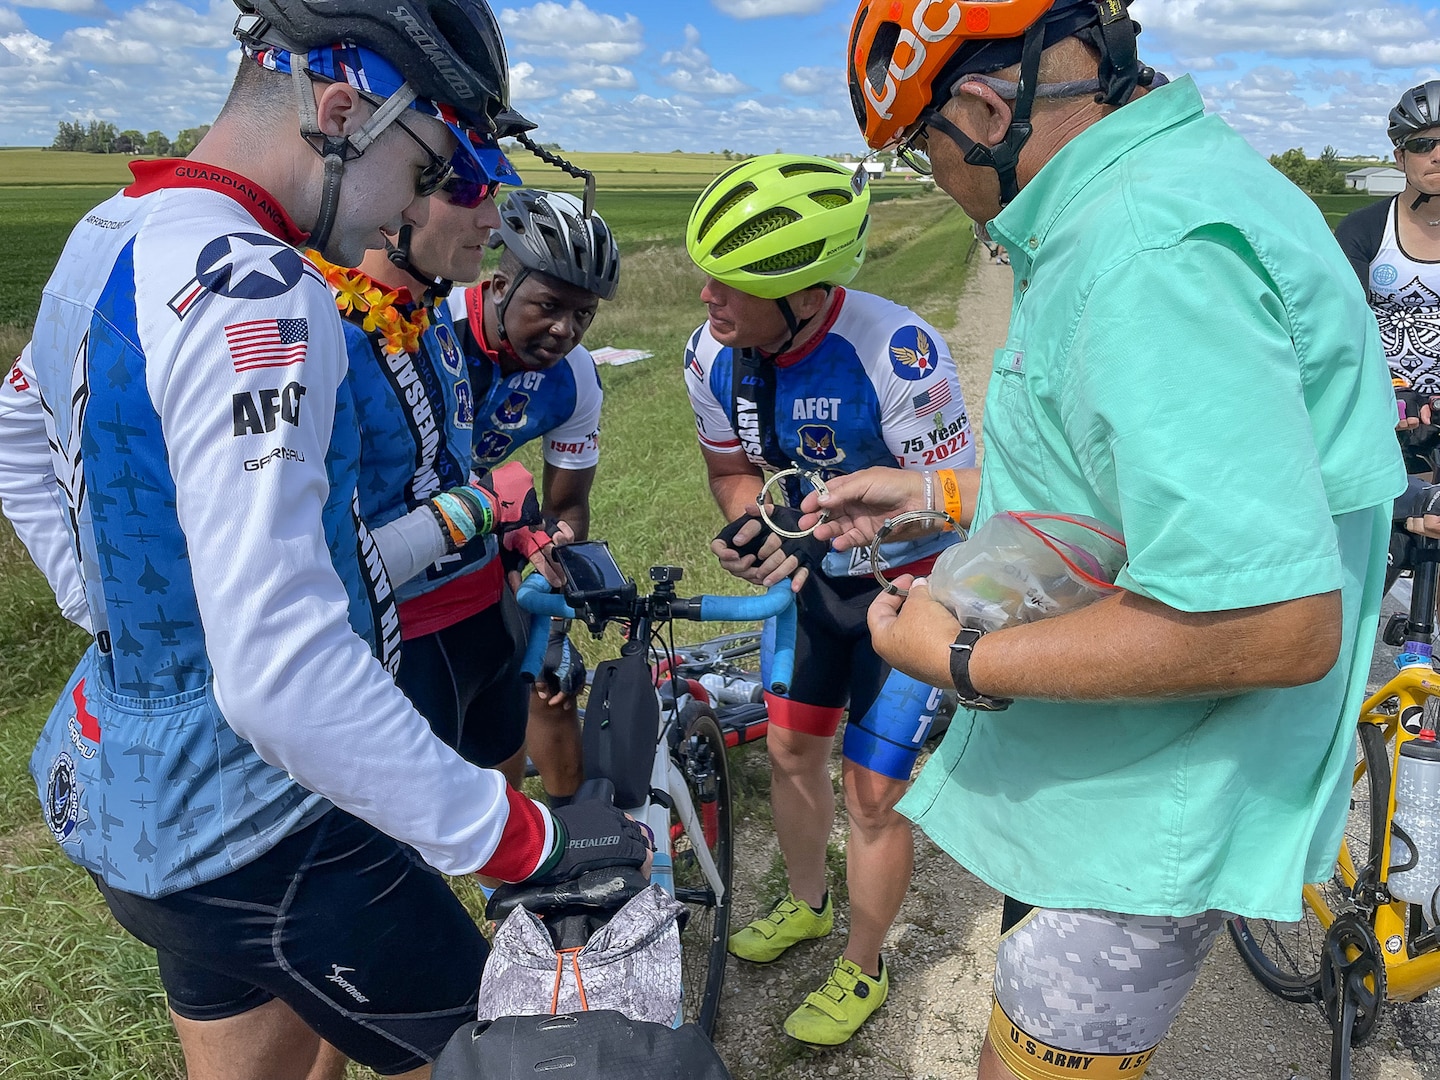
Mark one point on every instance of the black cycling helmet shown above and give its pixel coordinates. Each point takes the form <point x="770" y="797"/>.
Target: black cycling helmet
<point x="450" y="51"/>
<point x="1418" y="109"/>
<point x="550" y="234"/>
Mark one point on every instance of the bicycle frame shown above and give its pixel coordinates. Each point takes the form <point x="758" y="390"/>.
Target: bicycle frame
<point x="1409" y="970"/>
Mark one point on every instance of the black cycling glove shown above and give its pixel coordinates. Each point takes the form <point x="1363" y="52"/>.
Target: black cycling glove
<point x="808" y="550"/>
<point x="594" y="835"/>
<point x="1419" y="499"/>
<point x="564" y="668"/>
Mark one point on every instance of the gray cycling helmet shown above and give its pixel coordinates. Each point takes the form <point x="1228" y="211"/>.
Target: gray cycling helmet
<point x="1419" y="108"/>
<point x="450" y="51"/>
<point x="550" y="234"/>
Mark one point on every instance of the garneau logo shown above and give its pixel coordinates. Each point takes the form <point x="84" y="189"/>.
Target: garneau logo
<point x="913" y="37"/>
<point x="280" y="453"/>
<point x="257" y="411"/>
<point x="434" y="53"/>
<point x="594" y="841"/>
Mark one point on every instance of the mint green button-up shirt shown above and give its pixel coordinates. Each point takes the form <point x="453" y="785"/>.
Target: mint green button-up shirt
<point x="1191" y="360"/>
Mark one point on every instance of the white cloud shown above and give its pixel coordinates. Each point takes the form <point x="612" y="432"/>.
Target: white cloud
<point x="759" y="9"/>
<point x="10" y="21"/>
<point x="693" y="73"/>
<point x="525" y="85"/>
<point x="573" y="31"/>
<point x="813" y="80"/>
<point x="70" y="7"/>
<point x="600" y="76"/>
<point x="1387" y="34"/>
<point x="690" y="56"/>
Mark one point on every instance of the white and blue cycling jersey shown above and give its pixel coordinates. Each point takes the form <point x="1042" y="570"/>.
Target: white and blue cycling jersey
<point x="560" y="404"/>
<point x="416" y="416"/>
<point x="875" y="386"/>
<point x="181" y="460"/>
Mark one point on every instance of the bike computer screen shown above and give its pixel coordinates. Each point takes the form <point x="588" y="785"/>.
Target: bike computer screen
<point x="590" y="572"/>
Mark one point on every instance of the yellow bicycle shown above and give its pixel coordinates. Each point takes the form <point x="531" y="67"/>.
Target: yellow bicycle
<point x="1357" y="946"/>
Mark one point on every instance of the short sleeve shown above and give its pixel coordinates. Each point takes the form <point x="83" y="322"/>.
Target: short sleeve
<point x="1185" y="403"/>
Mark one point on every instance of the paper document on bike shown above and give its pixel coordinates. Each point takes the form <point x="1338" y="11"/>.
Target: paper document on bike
<point x="631" y="965"/>
<point x="1021" y="566"/>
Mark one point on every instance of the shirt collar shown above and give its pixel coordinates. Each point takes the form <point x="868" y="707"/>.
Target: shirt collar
<point x="178" y="172"/>
<point x="794" y="356"/>
<point x="1024" y="224"/>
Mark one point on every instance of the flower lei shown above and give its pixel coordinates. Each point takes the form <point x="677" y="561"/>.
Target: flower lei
<point x="358" y="292"/>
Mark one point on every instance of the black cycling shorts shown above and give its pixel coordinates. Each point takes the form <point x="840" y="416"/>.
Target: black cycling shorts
<point x="890" y="714"/>
<point x="345" y="925"/>
<point x="465" y="679"/>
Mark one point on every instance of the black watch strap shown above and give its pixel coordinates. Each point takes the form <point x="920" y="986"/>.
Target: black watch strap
<point x="965" y="690"/>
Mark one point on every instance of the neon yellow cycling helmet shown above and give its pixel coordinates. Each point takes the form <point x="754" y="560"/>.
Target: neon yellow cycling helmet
<point x="777" y="224"/>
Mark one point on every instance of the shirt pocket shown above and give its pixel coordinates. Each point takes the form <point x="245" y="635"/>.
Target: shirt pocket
<point x="1012" y="436"/>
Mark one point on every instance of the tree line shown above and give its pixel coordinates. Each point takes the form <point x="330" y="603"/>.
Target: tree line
<point x="102" y="137"/>
<point x="1324" y="175"/>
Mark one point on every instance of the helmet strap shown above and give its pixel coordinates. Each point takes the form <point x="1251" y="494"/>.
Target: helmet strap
<point x="1005" y="155"/>
<point x="793" y="323"/>
<point x="1114" y="39"/>
<point x="503" y="304"/>
<point x="336" y="150"/>
<point x="398" y="252"/>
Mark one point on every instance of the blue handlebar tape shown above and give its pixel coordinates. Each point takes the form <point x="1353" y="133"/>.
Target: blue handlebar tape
<point x="778" y="602"/>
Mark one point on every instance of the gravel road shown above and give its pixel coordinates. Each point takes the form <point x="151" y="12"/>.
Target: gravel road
<point x="942" y="949"/>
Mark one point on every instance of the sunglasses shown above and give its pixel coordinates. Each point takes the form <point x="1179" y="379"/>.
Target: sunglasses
<point x="1420" y="144"/>
<point x="434" y="175"/>
<point x="466" y="193"/>
<point x="910" y="151"/>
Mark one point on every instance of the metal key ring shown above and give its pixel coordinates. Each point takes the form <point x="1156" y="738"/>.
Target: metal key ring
<point x="815" y="480"/>
<point x="891" y="524"/>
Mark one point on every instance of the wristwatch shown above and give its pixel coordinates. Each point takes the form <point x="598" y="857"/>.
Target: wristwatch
<point x="965" y="690"/>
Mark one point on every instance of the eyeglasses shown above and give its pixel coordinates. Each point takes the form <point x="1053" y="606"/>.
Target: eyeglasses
<point x="466" y="193"/>
<point x="433" y="176"/>
<point x="915" y="150"/>
<point x="1420" y="144"/>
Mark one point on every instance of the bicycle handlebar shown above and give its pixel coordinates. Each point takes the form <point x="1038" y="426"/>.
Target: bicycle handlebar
<point x="778" y="602"/>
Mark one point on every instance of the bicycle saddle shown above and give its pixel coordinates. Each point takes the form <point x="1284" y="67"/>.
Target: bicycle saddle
<point x="602" y="891"/>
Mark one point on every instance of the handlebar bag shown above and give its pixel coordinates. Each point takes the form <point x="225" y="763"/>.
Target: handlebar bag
<point x="622" y="719"/>
<point x="579" y="1046"/>
<point x="631" y="965"/>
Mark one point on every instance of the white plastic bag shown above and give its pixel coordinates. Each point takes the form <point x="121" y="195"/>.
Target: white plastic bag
<point x="1021" y="566"/>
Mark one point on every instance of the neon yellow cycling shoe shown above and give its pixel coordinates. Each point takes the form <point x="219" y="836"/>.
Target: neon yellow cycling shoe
<point x="830" y="1015"/>
<point x="790" y="922"/>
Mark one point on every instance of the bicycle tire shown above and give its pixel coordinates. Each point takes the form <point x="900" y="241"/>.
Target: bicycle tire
<point x="1285" y="957"/>
<point x="700" y="757"/>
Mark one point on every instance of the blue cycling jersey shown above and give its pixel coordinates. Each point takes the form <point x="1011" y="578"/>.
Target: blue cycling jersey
<point x="416" y="415"/>
<point x="560" y="404"/>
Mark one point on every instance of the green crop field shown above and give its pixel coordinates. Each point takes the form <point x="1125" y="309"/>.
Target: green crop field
<point x="78" y="998"/>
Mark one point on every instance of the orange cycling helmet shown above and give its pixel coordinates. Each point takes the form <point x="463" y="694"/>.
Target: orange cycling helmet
<point x="905" y="56"/>
<point x="898" y="48"/>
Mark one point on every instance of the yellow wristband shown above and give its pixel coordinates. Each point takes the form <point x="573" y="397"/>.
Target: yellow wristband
<point x="950" y="493"/>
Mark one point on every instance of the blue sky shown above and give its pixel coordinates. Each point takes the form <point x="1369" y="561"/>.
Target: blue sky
<point x="749" y="75"/>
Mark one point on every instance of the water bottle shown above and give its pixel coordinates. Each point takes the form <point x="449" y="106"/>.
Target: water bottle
<point x="1415" y="836"/>
<point x="732" y="689"/>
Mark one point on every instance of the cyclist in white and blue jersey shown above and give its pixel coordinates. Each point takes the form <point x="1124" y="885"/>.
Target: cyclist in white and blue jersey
<point x="231" y="759"/>
<point x="532" y="379"/>
<point x="792" y="371"/>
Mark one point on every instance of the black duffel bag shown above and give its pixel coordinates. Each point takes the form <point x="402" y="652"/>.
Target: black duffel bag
<point x="578" y="1046"/>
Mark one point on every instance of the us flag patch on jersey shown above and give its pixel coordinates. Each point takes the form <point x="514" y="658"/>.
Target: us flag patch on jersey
<point x="267" y="343"/>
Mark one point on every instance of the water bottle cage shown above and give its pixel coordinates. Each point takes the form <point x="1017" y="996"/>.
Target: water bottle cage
<point x="910" y="517"/>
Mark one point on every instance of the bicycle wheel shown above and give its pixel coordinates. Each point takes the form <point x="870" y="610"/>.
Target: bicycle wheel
<point x="701" y="759"/>
<point x="1285" y="956"/>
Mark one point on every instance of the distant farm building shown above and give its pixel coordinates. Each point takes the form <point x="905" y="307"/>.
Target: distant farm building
<point x="1376" y="180"/>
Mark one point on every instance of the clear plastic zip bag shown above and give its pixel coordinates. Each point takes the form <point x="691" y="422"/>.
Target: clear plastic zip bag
<point x="1021" y="566"/>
